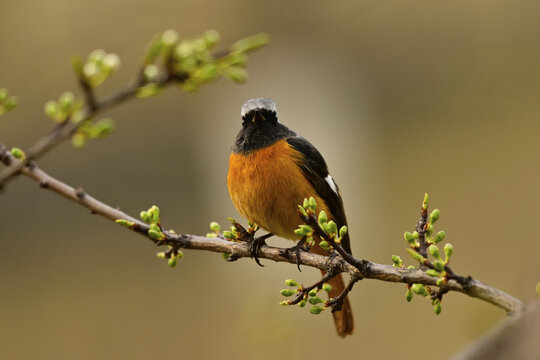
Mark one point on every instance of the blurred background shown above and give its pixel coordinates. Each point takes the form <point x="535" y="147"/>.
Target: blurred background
<point x="400" y="97"/>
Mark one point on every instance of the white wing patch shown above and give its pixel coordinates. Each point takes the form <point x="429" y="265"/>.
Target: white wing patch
<point x="331" y="182"/>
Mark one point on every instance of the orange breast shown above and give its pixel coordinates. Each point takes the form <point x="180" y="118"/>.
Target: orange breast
<point x="266" y="187"/>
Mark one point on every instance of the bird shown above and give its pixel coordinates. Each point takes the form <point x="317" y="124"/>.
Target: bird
<point x="271" y="171"/>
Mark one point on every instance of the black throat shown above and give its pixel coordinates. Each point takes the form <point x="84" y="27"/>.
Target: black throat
<point x="260" y="128"/>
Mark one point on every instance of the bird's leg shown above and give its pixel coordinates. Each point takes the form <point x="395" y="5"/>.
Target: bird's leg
<point x="255" y="243"/>
<point x="300" y="245"/>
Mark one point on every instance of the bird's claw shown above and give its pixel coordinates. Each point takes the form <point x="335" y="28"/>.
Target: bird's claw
<point x="296" y="249"/>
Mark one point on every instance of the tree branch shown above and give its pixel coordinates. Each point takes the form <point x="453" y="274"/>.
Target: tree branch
<point x="67" y="128"/>
<point x="335" y="264"/>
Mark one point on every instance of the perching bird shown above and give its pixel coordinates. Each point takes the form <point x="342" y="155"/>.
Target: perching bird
<point x="271" y="171"/>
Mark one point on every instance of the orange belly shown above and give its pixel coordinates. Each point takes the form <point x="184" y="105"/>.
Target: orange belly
<point x="266" y="186"/>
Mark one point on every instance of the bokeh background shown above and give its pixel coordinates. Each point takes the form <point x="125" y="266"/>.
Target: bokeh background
<point x="401" y="97"/>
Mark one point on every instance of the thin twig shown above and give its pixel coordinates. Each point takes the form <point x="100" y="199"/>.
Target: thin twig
<point x="367" y="270"/>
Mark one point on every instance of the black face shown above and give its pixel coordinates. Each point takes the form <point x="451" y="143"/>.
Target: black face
<point x="260" y="128"/>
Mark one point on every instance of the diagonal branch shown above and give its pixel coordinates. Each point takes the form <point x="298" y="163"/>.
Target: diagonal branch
<point x="337" y="264"/>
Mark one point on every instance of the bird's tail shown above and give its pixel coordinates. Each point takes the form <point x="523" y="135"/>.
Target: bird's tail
<point x="343" y="319"/>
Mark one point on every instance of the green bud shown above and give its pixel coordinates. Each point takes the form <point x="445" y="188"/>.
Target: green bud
<point x="154" y="213"/>
<point x="409" y="295"/>
<point x="310" y="241"/>
<point x="323" y="218"/>
<point x="288" y="292"/>
<point x="327" y="287"/>
<point x="251" y="43"/>
<point x="111" y="62"/>
<point x="211" y="235"/>
<point x="324" y="245"/>
<point x="441" y="282"/>
<point x="437" y="308"/>
<point x="211" y="37"/>
<point x="215" y="227"/>
<point x="284" y="303"/>
<point x="302" y="303"/>
<point x="17" y="153"/>
<point x="429" y="230"/>
<point x="225" y="255"/>
<point x="150" y="72"/>
<point x="312" y="203"/>
<point x="229" y="235"/>
<point x="425" y="202"/>
<point x="3" y="94"/>
<point x="439" y="236"/>
<point x="419" y="289"/>
<point x="434" y="251"/>
<point x="102" y="128"/>
<point x="343" y="231"/>
<point x="410" y="237"/>
<point x="161" y="255"/>
<point x="156" y="235"/>
<point x="66" y="101"/>
<point x="96" y="55"/>
<point x="173" y="262"/>
<point x="331" y="227"/>
<point x="448" y="251"/>
<point x="396" y="260"/>
<point x="155" y="227"/>
<point x="302" y="210"/>
<point x="125" y="223"/>
<point x="538" y="288"/>
<point x="305" y="204"/>
<point x="432" y="272"/>
<point x="78" y="140"/>
<point x="438" y="265"/>
<point x="313" y="292"/>
<point x="145" y="216"/>
<point x="169" y="37"/>
<point x="411" y="267"/>
<point x="315" y="300"/>
<point x="10" y="103"/>
<point x="51" y="109"/>
<point x="316" y="310"/>
<point x="416" y="256"/>
<point x="206" y="73"/>
<point x="434" y="216"/>
<point x="291" y="282"/>
<point x="179" y="254"/>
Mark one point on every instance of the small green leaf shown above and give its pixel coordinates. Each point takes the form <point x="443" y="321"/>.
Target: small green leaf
<point x="425" y="202"/>
<point x="126" y="223"/>
<point x="251" y="43"/>
<point x="416" y="256"/>
<point x="315" y="310"/>
<point x="313" y="292"/>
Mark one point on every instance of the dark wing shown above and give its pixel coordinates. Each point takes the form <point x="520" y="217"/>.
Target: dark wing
<point x="316" y="172"/>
